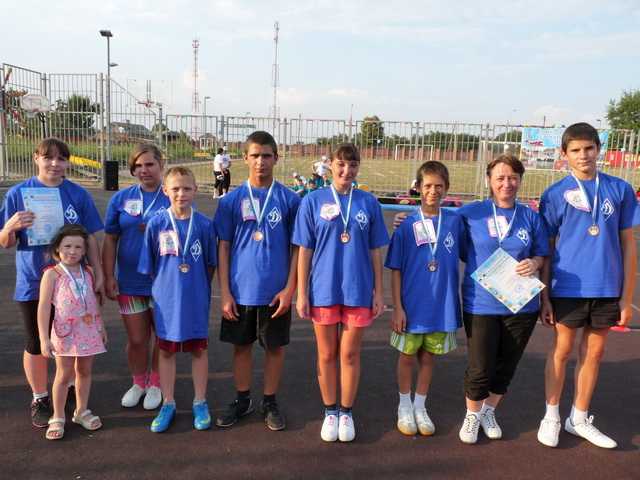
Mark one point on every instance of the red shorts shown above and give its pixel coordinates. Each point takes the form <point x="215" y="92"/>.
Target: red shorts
<point x="192" y="345"/>
<point x="352" y="316"/>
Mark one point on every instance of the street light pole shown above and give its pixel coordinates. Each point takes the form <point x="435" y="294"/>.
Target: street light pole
<point x="204" y="119"/>
<point x="110" y="174"/>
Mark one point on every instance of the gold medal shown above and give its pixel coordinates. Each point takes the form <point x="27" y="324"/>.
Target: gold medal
<point x="345" y="237"/>
<point x="184" y="267"/>
<point x="594" y="230"/>
<point x="87" y="318"/>
<point x="432" y="266"/>
<point x="142" y="226"/>
<point x="258" y="236"/>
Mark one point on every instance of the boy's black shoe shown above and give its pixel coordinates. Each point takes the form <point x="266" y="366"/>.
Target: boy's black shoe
<point x="273" y="418"/>
<point x="234" y="412"/>
<point x="41" y="412"/>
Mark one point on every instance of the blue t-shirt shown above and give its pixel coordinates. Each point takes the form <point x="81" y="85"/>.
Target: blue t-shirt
<point x="258" y="270"/>
<point x="181" y="300"/>
<point x="123" y="218"/>
<point x="78" y="207"/>
<point x="430" y="299"/>
<point x="586" y="266"/>
<point x="527" y="238"/>
<point x="341" y="273"/>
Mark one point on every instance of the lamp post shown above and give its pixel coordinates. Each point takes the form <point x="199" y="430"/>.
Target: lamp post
<point x="109" y="171"/>
<point x="204" y="120"/>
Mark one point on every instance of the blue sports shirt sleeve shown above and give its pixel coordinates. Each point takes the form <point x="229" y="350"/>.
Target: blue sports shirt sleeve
<point x="304" y="230"/>
<point x="146" y="264"/>
<point x="111" y="218"/>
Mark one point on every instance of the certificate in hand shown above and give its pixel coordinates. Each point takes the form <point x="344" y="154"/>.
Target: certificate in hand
<point x="46" y="205"/>
<point x="498" y="276"/>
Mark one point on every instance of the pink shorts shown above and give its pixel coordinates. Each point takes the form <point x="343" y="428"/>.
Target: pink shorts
<point x="352" y="316"/>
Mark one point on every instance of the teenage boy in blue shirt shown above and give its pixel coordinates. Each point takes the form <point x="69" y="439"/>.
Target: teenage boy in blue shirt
<point x="257" y="275"/>
<point x="590" y="217"/>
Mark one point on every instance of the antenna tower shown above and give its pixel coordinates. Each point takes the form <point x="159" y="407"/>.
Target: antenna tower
<point x="195" y="106"/>
<point x="275" y="75"/>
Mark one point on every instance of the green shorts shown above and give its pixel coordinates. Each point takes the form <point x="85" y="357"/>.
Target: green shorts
<point x="437" y="343"/>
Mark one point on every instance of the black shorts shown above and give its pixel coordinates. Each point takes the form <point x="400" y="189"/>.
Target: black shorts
<point x="255" y="322"/>
<point x="581" y="312"/>
<point x="29" y="314"/>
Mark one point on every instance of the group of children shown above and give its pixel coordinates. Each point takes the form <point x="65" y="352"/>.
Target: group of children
<point x="268" y="244"/>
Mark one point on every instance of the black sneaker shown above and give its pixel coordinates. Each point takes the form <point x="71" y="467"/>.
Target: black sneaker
<point x="41" y="412"/>
<point x="273" y="418"/>
<point x="234" y="412"/>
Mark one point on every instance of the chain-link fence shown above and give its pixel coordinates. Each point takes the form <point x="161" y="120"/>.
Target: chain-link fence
<point x="391" y="151"/>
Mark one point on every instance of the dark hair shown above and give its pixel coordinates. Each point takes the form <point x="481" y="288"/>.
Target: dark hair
<point x="508" y="159"/>
<point x="49" y="146"/>
<point x="580" y="131"/>
<point x="433" y="168"/>
<point x="220" y="150"/>
<point x="141" y="149"/>
<point x="68" y="230"/>
<point x="260" y="137"/>
<point x="179" y="171"/>
<point x="347" y="152"/>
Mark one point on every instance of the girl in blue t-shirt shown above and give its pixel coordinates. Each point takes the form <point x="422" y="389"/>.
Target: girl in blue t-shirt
<point x="340" y="231"/>
<point x="128" y="213"/>
<point x="64" y="202"/>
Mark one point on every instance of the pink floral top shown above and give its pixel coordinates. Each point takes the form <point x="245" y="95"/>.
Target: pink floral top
<point x="77" y="329"/>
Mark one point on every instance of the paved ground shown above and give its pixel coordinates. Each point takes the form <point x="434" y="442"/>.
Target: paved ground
<point x="125" y="448"/>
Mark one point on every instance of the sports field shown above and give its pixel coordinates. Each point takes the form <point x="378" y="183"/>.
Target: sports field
<point x="388" y="176"/>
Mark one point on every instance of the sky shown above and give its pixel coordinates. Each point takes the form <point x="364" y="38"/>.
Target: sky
<point x="520" y="62"/>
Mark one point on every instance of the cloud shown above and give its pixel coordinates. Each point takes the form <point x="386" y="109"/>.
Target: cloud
<point x="354" y="93"/>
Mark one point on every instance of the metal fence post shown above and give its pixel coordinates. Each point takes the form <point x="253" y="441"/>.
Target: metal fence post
<point x="4" y="168"/>
<point x="101" y="119"/>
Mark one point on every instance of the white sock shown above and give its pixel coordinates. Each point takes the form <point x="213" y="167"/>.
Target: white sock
<point x="405" y="399"/>
<point x="419" y="400"/>
<point x="486" y="407"/>
<point x="469" y="412"/>
<point x="196" y="401"/>
<point x="578" y="416"/>
<point x="553" y="412"/>
<point x="38" y="396"/>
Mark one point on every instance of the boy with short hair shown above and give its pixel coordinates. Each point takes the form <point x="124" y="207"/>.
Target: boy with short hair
<point x="257" y="275"/>
<point x="423" y="256"/>
<point x="179" y="252"/>
<point x="592" y="269"/>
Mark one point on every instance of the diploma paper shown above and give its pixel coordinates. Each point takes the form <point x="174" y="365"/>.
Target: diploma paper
<point x="46" y="205"/>
<point x="498" y="276"/>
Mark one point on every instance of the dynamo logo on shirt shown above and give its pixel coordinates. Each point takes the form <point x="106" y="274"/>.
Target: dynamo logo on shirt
<point x="70" y="214"/>
<point x="523" y="235"/>
<point x="607" y="208"/>
<point x="196" y="250"/>
<point x="274" y="217"/>
<point x="362" y="219"/>
<point x="449" y="242"/>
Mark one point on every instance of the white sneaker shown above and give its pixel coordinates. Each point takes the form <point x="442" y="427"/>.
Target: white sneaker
<point x="329" y="432"/>
<point x="406" y="421"/>
<point x="549" y="432"/>
<point x="469" y="430"/>
<point x="346" y="430"/>
<point x="132" y="396"/>
<point x="152" y="399"/>
<point x="425" y="425"/>
<point x="490" y="426"/>
<point x="588" y="431"/>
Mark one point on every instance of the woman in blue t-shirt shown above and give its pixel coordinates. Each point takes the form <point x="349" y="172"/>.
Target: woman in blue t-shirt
<point x="61" y="202"/>
<point x="128" y="213"/>
<point x="496" y="336"/>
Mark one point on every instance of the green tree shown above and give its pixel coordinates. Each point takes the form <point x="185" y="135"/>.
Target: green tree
<point x="371" y="131"/>
<point x="74" y="117"/>
<point x="625" y="113"/>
